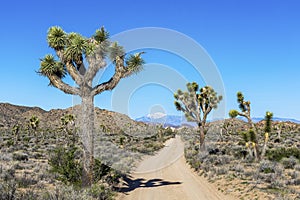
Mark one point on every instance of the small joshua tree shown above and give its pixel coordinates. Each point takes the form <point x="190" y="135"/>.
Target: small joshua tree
<point x="67" y="121"/>
<point x="251" y="137"/>
<point x="245" y="108"/>
<point x="34" y="122"/>
<point x="82" y="58"/>
<point x="15" y="130"/>
<point x="196" y="105"/>
<point x="268" y="129"/>
<point x="68" y="124"/>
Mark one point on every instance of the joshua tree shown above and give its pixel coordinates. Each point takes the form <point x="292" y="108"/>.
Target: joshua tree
<point x="73" y="53"/>
<point x="196" y="105"/>
<point x="34" y="122"/>
<point x="15" y="130"/>
<point x="251" y="138"/>
<point x="68" y="124"/>
<point x="268" y="129"/>
<point x="246" y="112"/>
<point x="67" y="121"/>
<point x="279" y="128"/>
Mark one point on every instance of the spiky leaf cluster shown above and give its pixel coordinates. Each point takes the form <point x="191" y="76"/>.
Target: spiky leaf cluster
<point x="243" y="105"/>
<point x="49" y="67"/>
<point x="77" y="47"/>
<point x="268" y="118"/>
<point x="72" y="49"/>
<point x="57" y="38"/>
<point x="135" y="63"/>
<point x="208" y="97"/>
<point x="101" y="35"/>
<point x="233" y="113"/>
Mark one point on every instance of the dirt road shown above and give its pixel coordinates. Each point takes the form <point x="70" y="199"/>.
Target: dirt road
<point x="167" y="176"/>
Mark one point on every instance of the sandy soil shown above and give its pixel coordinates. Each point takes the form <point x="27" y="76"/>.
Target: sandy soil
<point x="167" y="176"/>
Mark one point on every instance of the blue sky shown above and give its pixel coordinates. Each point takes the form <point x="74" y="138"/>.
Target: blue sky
<point x="255" y="46"/>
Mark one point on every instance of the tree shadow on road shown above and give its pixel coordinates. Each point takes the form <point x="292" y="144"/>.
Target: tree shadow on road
<point x="131" y="184"/>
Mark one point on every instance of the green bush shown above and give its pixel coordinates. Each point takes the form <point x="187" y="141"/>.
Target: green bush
<point x="64" y="163"/>
<point x="289" y="163"/>
<point x="20" y="156"/>
<point x="100" y="170"/>
<point x="278" y="154"/>
<point x="101" y="192"/>
<point x="267" y="167"/>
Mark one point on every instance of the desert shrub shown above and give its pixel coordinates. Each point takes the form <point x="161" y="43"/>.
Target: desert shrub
<point x="28" y="195"/>
<point x="297" y="181"/>
<point x="64" y="163"/>
<point x="238" y="151"/>
<point x="8" y="190"/>
<point x="294" y="174"/>
<point x="266" y="167"/>
<point x="20" y="156"/>
<point x="101" y="192"/>
<point x="8" y="174"/>
<point x="238" y="168"/>
<point x="297" y="167"/>
<point x="277" y="183"/>
<point x="222" y="170"/>
<point x="63" y="192"/>
<point x="289" y="163"/>
<point x="10" y="142"/>
<point x="279" y="153"/>
<point x="25" y="181"/>
<point x="218" y="160"/>
<point x="100" y="170"/>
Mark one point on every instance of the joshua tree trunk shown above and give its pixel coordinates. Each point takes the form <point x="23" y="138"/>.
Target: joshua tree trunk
<point x="202" y="137"/>
<point x="256" y="148"/>
<point x="263" y="152"/>
<point x="87" y="133"/>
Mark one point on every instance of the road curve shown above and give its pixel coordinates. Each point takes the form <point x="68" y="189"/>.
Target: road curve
<point x="166" y="176"/>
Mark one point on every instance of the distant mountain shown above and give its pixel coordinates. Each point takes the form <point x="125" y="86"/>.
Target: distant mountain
<point x="276" y="119"/>
<point x="177" y="121"/>
<point x="165" y="120"/>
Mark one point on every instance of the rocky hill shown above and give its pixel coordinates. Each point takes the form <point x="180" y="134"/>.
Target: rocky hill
<point x="11" y="115"/>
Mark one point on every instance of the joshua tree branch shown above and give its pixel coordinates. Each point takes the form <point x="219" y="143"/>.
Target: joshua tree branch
<point x="73" y="73"/>
<point x="80" y="66"/>
<point x="58" y="83"/>
<point x="70" y="68"/>
<point x="112" y="83"/>
<point x="206" y="113"/>
<point x="93" y="69"/>
<point x="243" y="114"/>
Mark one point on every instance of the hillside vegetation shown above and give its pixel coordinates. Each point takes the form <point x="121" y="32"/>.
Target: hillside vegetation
<point x="40" y="153"/>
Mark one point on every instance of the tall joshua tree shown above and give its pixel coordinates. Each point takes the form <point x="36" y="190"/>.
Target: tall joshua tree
<point x="197" y="104"/>
<point x="82" y="58"/>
